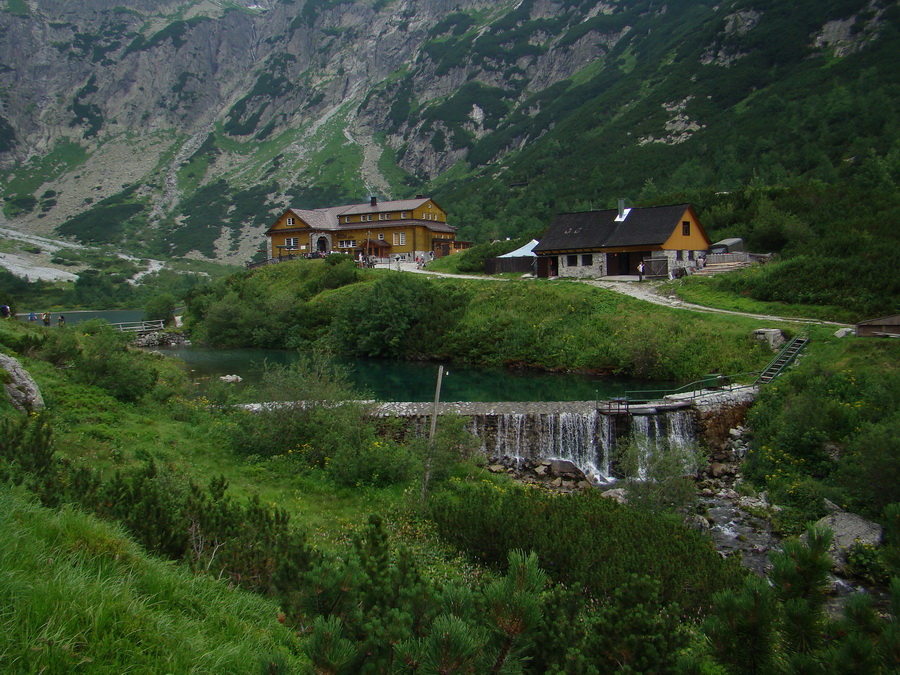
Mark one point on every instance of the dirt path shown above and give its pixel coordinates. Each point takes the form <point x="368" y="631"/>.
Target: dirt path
<point x="649" y="291"/>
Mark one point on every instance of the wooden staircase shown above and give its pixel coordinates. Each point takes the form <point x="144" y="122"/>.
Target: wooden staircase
<point x="783" y="360"/>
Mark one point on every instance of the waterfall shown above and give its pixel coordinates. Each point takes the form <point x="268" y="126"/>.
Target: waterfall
<point x="583" y="438"/>
<point x="587" y="438"/>
<point x="573" y="436"/>
<point x="672" y="431"/>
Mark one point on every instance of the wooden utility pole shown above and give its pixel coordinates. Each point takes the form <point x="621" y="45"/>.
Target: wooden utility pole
<point x="429" y="454"/>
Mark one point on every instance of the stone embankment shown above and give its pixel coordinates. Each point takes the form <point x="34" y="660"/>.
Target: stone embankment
<point x="161" y="339"/>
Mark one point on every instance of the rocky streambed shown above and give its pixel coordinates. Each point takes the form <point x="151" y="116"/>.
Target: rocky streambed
<point x="736" y="523"/>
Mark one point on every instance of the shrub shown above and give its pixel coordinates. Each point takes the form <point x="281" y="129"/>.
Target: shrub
<point x="106" y="362"/>
<point x="369" y="461"/>
<point x="61" y="348"/>
<point x="160" y="306"/>
<point x="490" y="520"/>
<point x="377" y="320"/>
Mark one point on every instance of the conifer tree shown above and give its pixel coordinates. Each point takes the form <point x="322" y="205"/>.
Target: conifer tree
<point x="513" y="606"/>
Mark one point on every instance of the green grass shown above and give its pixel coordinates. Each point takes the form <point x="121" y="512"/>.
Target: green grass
<point x="18" y="7"/>
<point x="78" y="596"/>
<point x="93" y="428"/>
<point x="27" y="179"/>
<point x="701" y="291"/>
<point x="449" y="264"/>
<point x="390" y="167"/>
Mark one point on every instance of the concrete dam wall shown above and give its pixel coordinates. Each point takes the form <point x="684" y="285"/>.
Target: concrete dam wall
<point x="587" y="433"/>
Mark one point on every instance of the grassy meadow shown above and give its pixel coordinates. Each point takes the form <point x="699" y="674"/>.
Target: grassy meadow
<point x="324" y="540"/>
<point x="550" y="325"/>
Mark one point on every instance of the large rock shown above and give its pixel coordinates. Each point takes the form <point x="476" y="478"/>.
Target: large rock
<point x="21" y="389"/>
<point x="618" y="494"/>
<point x="565" y="469"/>
<point x="773" y="336"/>
<point x="848" y="529"/>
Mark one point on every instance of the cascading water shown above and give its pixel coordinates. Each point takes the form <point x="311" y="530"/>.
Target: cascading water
<point x="587" y="439"/>
<point x="671" y="431"/>
<point x="574" y="437"/>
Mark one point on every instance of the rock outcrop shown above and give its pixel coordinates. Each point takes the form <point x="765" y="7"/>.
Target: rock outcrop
<point x="21" y="389"/>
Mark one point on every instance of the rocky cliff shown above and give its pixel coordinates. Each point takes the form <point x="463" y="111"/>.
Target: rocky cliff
<point x="181" y="128"/>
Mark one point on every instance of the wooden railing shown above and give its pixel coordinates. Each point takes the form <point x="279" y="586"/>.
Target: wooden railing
<point x="139" y="326"/>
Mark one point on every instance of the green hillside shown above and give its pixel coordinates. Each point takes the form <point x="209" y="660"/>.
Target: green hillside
<point x="80" y="597"/>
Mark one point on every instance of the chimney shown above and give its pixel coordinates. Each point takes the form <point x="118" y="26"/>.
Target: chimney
<point x="373" y="200"/>
<point x="621" y="209"/>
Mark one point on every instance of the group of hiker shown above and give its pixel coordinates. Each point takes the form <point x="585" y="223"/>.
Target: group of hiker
<point x="6" y="313"/>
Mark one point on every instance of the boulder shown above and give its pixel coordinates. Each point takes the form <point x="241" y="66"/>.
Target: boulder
<point x="716" y="470"/>
<point x="22" y="391"/>
<point x="848" y="529"/>
<point x="844" y="332"/>
<point x="831" y="506"/>
<point x="773" y="336"/>
<point x="618" y="494"/>
<point x="565" y="469"/>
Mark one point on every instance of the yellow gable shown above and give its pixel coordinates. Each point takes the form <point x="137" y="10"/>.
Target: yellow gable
<point x="688" y="234"/>
<point x="288" y="221"/>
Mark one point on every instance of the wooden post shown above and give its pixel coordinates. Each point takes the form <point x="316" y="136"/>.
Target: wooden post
<point x="429" y="455"/>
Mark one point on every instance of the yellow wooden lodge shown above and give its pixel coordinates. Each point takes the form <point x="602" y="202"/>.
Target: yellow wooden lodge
<point x="404" y="227"/>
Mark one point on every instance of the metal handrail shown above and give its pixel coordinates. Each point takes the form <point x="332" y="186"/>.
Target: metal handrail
<point x="694" y="388"/>
<point x="804" y="336"/>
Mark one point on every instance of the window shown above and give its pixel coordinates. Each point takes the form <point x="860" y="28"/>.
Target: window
<point x="587" y="260"/>
<point x="403" y="215"/>
<point x="346" y="219"/>
<point x="679" y="255"/>
<point x="290" y="222"/>
<point x="399" y="238"/>
<point x="381" y="236"/>
<point x="690" y="255"/>
<point x="571" y="261"/>
<point x="291" y="242"/>
<point x="347" y="243"/>
<point x="686" y="228"/>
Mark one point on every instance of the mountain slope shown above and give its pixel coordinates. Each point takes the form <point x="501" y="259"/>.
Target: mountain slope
<point x="181" y="128"/>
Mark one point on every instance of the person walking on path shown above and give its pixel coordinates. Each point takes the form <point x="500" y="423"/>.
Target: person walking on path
<point x="60" y="321"/>
<point x="640" y="270"/>
<point x="45" y="317"/>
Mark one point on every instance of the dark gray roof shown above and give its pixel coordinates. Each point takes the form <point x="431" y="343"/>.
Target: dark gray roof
<point x="648" y="226"/>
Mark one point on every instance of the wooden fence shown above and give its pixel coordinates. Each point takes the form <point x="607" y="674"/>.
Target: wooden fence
<point x="140" y="326"/>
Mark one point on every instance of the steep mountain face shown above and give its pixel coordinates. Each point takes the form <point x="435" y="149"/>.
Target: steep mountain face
<point x="181" y="128"/>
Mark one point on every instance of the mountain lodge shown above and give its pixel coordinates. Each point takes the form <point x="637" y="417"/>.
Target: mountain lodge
<point x="414" y="227"/>
<point x="612" y="242"/>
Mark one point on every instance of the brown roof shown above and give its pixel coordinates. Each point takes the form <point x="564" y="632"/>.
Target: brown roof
<point x="380" y="207"/>
<point x="329" y="219"/>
